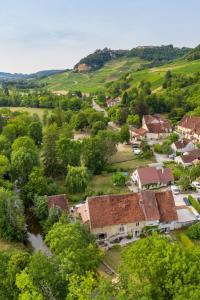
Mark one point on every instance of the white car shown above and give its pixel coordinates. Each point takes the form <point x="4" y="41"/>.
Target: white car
<point x="175" y="189"/>
<point x="196" y="184"/>
<point x="137" y="151"/>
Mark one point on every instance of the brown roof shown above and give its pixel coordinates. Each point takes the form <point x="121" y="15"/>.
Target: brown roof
<point x="149" y="175"/>
<point x="60" y="201"/>
<point x="190" y="122"/>
<point x="111" y="210"/>
<point x="157" y="124"/>
<point x="138" y="132"/>
<point x="114" y="209"/>
<point x="150" y="205"/>
<point x="166" y="206"/>
<point x="181" y="144"/>
<point x="191" y="156"/>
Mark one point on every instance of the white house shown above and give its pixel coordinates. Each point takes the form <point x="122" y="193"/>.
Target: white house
<point x="183" y="146"/>
<point x="111" y="217"/>
<point x="157" y="127"/>
<point x="152" y="177"/>
<point x="189" y="127"/>
<point x="189" y="158"/>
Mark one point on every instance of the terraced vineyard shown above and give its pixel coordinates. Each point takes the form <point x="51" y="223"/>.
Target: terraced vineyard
<point x="91" y="82"/>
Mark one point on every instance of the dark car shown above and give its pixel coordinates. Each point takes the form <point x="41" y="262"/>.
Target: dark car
<point x="187" y="202"/>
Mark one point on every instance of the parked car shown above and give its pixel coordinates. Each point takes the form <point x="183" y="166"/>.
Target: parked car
<point x="187" y="202"/>
<point x="196" y="184"/>
<point x="137" y="151"/>
<point x="172" y="156"/>
<point x="198" y="199"/>
<point x="175" y="189"/>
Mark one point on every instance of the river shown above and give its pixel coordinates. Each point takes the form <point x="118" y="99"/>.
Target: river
<point x="34" y="234"/>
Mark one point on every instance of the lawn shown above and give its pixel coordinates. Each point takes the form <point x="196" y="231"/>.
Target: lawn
<point x="38" y="111"/>
<point x="126" y="160"/>
<point x="8" y="246"/>
<point x="103" y="184"/>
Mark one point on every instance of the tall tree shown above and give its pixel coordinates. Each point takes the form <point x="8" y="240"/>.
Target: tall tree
<point x="49" y="155"/>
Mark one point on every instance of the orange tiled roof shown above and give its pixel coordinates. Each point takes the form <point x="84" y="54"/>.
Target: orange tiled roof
<point x="190" y="122"/>
<point x="111" y="210"/>
<point x="150" y="175"/>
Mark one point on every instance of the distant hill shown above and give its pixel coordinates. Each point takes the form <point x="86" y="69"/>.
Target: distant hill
<point x="19" y="76"/>
<point x="154" y="54"/>
<point x="97" y="59"/>
<point x="194" y="54"/>
<point x="134" y="67"/>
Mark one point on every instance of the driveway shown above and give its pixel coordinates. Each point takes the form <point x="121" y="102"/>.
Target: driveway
<point x="160" y="158"/>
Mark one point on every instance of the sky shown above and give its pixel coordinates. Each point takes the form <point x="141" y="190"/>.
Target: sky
<point x="55" y="34"/>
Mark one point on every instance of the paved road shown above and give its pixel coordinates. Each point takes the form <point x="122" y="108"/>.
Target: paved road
<point x="97" y="107"/>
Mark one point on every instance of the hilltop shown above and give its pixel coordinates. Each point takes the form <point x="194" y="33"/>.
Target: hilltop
<point x="138" y="68"/>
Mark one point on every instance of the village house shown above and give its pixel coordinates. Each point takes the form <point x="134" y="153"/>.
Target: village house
<point x="59" y="201"/>
<point x="189" y="158"/>
<point x="137" y="134"/>
<point x="111" y="217"/>
<point x="183" y="146"/>
<point x="111" y="102"/>
<point x="152" y="177"/>
<point x="189" y="127"/>
<point x="157" y="127"/>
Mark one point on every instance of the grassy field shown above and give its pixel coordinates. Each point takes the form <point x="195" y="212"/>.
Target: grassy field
<point x="125" y="159"/>
<point x="93" y="81"/>
<point x="8" y="246"/>
<point x="38" y="111"/>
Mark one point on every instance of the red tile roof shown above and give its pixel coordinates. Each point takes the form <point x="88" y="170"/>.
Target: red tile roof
<point x="150" y="175"/>
<point x="114" y="209"/>
<point x="60" y="201"/>
<point x="181" y="144"/>
<point x="190" y="122"/>
<point x="111" y="210"/>
<point x="166" y="206"/>
<point x="138" y="132"/>
<point x="191" y="156"/>
<point x="157" y="124"/>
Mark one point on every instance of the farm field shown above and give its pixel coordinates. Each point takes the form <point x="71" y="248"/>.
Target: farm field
<point x="31" y="110"/>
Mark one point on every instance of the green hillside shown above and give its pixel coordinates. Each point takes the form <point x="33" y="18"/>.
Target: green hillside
<point x="91" y="82"/>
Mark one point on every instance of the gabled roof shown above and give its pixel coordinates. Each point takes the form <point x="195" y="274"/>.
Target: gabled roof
<point x="59" y="201"/>
<point x="114" y="209"/>
<point x="166" y="206"/>
<point x="182" y="143"/>
<point x="138" y="132"/>
<point x="190" y="122"/>
<point x="111" y="210"/>
<point x="191" y="156"/>
<point x="157" y="124"/>
<point x="150" y="175"/>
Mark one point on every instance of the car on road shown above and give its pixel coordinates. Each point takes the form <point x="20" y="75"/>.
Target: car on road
<point x="175" y="189"/>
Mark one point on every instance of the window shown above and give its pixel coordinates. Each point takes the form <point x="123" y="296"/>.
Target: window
<point x="137" y="223"/>
<point x="121" y="228"/>
<point x="102" y="236"/>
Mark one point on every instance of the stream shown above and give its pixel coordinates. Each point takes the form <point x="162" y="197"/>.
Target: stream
<point x="34" y="234"/>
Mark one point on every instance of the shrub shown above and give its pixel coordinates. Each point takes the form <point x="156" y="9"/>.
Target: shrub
<point x="119" y="179"/>
<point x="187" y="243"/>
<point x="194" y="231"/>
<point x="194" y="203"/>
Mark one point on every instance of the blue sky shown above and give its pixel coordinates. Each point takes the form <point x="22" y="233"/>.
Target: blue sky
<point x="50" y="34"/>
